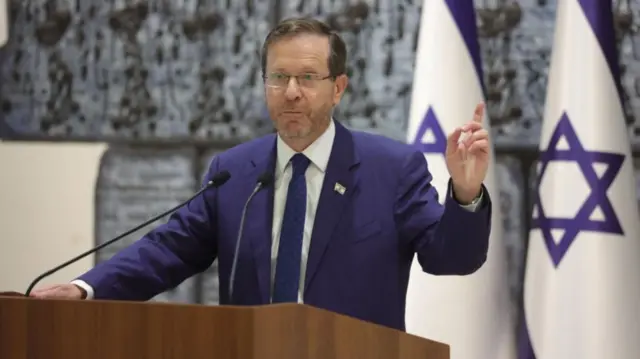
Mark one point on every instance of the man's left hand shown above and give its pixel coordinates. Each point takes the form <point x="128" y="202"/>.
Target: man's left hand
<point x="467" y="157"/>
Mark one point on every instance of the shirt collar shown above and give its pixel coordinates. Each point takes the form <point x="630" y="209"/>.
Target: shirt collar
<point x="318" y="152"/>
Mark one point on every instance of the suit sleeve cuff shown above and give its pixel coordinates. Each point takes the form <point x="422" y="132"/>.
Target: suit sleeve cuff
<point x="87" y="288"/>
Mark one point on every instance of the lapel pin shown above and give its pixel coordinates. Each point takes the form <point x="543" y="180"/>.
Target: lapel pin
<point x="339" y="188"/>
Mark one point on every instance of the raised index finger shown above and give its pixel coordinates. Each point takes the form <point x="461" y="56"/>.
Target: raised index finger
<point x="478" y="114"/>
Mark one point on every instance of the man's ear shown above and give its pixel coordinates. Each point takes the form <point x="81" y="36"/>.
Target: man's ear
<point x="340" y="85"/>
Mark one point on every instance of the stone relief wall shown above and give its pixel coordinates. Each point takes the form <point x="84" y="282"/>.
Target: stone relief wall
<point x="136" y="184"/>
<point x="89" y="69"/>
<point x="176" y="81"/>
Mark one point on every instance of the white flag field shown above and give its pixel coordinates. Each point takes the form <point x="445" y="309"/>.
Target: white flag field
<point x="470" y="313"/>
<point x="582" y="281"/>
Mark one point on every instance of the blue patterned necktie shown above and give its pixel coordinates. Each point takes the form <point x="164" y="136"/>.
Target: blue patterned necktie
<point x="287" y="277"/>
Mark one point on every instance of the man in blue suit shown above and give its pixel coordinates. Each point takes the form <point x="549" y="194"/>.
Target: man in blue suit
<point x="339" y="225"/>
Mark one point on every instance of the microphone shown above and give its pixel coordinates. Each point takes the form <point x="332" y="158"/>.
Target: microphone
<point x="218" y="180"/>
<point x="264" y="180"/>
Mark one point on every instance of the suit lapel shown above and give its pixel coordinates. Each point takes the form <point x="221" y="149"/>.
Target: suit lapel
<point x="340" y="174"/>
<point x="260" y="217"/>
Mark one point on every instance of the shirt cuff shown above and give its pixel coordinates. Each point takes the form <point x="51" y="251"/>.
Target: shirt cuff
<point x="473" y="206"/>
<point x="87" y="288"/>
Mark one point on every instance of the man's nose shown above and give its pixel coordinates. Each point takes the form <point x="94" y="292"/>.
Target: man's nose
<point x="292" y="92"/>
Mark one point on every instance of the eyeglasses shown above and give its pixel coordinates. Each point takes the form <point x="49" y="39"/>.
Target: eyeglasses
<point x="280" y="80"/>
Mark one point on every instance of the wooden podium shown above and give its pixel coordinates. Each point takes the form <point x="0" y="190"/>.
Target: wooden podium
<point x="60" y="329"/>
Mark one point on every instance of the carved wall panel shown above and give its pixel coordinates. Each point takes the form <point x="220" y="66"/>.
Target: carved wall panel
<point x="136" y="184"/>
<point x="511" y="200"/>
<point x="189" y="69"/>
<point x="135" y="69"/>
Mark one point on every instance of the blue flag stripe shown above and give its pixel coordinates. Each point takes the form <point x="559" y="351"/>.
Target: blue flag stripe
<point x="600" y="17"/>
<point x="463" y="13"/>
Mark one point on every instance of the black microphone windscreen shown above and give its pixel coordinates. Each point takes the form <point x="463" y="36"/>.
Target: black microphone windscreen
<point x="220" y="178"/>
<point x="265" y="179"/>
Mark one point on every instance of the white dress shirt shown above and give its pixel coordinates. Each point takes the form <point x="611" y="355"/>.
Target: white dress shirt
<point x="318" y="153"/>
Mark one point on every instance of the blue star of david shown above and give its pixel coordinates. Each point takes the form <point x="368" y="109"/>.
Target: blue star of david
<point x="430" y="122"/>
<point x="597" y="197"/>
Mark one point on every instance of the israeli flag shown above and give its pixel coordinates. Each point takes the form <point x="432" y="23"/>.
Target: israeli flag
<point x="470" y="313"/>
<point x="582" y="281"/>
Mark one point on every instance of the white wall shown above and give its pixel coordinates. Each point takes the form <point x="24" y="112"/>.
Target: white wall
<point x="46" y="209"/>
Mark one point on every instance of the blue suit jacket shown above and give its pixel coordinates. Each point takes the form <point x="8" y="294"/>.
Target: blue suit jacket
<point x="362" y="244"/>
